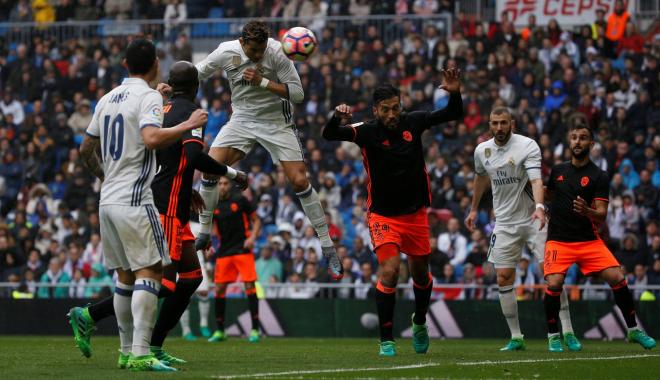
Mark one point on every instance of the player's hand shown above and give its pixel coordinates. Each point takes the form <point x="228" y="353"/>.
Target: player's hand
<point x="197" y="204"/>
<point x="202" y="242"/>
<point x="470" y="220"/>
<point x="252" y="75"/>
<point x="198" y="118"/>
<point x="241" y="180"/>
<point x="164" y="89"/>
<point x="343" y="112"/>
<point x="580" y="206"/>
<point x="451" y="80"/>
<point x="249" y="244"/>
<point x="539" y="214"/>
<point x="209" y="253"/>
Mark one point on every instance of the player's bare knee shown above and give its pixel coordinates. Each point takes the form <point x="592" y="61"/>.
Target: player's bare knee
<point x="554" y="281"/>
<point x="505" y="277"/>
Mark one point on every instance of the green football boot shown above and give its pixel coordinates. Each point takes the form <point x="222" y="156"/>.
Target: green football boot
<point x="254" y="336"/>
<point x="554" y="343"/>
<point x="420" y="335"/>
<point x="206" y="333"/>
<point x="515" y="344"/>
<point x="639" y="336"/>
<point x="571" y="341"/>
<point x="165" y="357"/>
<point x="83" y="325"/>
<point x="218" y="336"/>
<point x="122" y="362"/>
<point x="147" y="363"/>
<point x="387" y="348"/>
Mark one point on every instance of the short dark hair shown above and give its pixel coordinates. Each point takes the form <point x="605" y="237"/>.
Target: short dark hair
<point x="140" y="56"/>
<point x="385" y="91"/>
<point x="256" y="31"/>
<point x="499" y="110"/>
<point x="578" y="120"/>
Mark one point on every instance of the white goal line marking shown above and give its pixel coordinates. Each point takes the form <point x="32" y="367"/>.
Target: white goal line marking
<point x="490" y="362"/>
<point x="319" y="371"/>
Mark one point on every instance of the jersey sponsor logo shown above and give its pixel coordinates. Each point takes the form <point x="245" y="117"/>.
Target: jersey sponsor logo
<point x="487" y="152"/>
<point x="407" y="136"/>
<point x="157" y="112"/>
<point x="560" y="178"/>
<point x="584" y="181"/>
<point x="236" y="60"/>
<point x="197" y="132"/>
<point x="234" y="207"/>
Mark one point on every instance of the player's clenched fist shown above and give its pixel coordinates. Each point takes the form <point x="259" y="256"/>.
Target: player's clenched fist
<point x="252" y="75"/>
<point x="198" y="118"/>
<point x="343" y="111"/>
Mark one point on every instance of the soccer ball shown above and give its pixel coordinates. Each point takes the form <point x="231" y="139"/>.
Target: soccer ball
<point x="298" y="43"/>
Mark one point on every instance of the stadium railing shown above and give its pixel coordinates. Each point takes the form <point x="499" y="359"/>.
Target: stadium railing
<point x="389" y="27"/>
<point x="447" y="291"/>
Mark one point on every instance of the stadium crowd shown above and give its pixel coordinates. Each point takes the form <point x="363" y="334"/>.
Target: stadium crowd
<point x="49" y="225"/>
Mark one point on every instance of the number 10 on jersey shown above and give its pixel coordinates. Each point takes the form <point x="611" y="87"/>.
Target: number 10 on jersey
<point x="113" y="137"/>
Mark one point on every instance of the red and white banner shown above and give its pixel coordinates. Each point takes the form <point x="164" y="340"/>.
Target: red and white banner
<point x="566" y="12"/>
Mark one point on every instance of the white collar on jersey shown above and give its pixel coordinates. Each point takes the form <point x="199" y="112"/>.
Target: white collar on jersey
<point x="134" y="80"/>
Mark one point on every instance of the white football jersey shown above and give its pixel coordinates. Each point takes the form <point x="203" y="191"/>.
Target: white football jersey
<point x="128" y="165"/>
<point x="510" y="168"/>
<point x="251" y="102"/>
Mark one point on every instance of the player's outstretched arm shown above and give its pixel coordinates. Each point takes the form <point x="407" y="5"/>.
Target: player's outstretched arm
<point x="481" y="183"/>
<point x="451" y="82"/>
<point x="155" y="137"/>
<point x="333" y="131"/>
<point x="206" y="164"/>
<point x="90" y="152"/>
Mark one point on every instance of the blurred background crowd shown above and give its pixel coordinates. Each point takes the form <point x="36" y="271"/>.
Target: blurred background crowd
<point x="49" y="226"/>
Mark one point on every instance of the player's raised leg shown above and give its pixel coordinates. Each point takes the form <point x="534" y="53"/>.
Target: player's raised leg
<point x="209" y="192"/>
<point x="311" y="204"/>
<point x="389" y="261"/>
<point x="422" y="287"/>
<point x="624" y="300"/>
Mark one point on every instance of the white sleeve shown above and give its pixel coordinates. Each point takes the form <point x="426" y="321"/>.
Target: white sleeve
<point x="533" y="161"/>
<point x="478" y="165"/>
<point x="151" y="110"/>
<point x="287" y="74"/>
<point x="211" y="63"/>
<point x="94" y="129"/>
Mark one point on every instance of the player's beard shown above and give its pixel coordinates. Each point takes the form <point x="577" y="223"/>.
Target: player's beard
<point x="584" y="152"/>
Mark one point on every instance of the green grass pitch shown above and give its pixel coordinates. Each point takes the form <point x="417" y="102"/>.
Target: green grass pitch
<point x="57" y="358"/>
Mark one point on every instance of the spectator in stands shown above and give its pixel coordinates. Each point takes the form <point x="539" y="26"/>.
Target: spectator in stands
<point x="268" y="266"/>
<point x="103" y="283"/>
<point x="176" y="14"/>
<point x="22" y="12"/>
<point x="366" y="282"/>
<point x="630" y="254"/>
<point x="117" y="9"/>
<point x="77" y="287"/>
<point x="617" y="21"/>
<point x="453" y="244"/>
<point x="53" y="276"/>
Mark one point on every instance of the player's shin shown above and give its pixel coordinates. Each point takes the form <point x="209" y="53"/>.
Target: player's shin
<point x="253" y="304"/>
<point x="624" y="301"/>
<point x="173" y="307"/>
<point x="144" y="305"/>
<point x="311" y="204"/>
<point x="220" y="304"/>
<point x="102" y="309"/>
<point x="385" y="300"/>
<point x="565" y="314"/>
<point x="552" y="304"/>
<point x="509" y="306"/>
<point x="422" y="299"/>
<point x="122" y="306"/>
<point x="209" y="193"/>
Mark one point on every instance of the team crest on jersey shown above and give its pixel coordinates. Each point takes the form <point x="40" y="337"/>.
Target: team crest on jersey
<point x="234" y="207"/>
<point x="407" y="136"/>
<point x="511" y="161"/>
<point x="487" y="152"/>
<point x="584" y="181"/>
<point x="260" y="68"/>
<point x="560" y="178"/>
<point x="236" y="60"/>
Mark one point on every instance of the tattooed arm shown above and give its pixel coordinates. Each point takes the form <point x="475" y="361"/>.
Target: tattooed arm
<point x="90" y="152"/>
